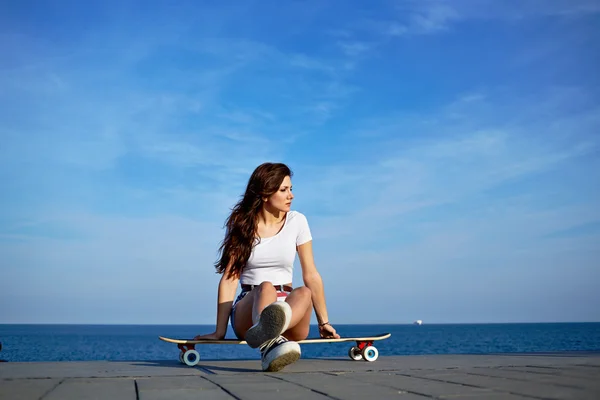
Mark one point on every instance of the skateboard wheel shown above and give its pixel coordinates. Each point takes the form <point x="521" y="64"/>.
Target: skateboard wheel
<point x="354" y="353"/>
<point x="191" y="358"/>
<point x="370" y="353"/>
<point x="181" y="358"/>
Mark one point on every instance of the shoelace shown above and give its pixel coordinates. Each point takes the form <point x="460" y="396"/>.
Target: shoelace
<point x="268" y="344"/>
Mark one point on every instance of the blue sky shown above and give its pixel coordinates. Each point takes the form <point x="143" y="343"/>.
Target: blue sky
<point x="445" y="153"/>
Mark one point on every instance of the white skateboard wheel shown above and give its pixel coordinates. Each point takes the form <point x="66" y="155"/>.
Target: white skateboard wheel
<point x="370" y="353"/>
<point x="191" y="358"/>
<point x="181" y="358"/>
<point x="354" y="353"/>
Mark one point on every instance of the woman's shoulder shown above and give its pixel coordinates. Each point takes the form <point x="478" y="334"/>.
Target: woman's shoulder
<point x="299" y="225"/>
<point x="296" y="218"/>
<point x="294" y="214"/>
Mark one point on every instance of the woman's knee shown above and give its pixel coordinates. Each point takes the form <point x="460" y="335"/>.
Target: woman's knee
<point x="266" y="287"/>
<point x="304" y="292"/>
<point x="298" y="333"/>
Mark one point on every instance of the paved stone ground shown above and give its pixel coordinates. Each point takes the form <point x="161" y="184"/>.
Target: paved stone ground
<point x="494" y="376"/>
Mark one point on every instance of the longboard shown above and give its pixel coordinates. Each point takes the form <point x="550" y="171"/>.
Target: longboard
<point x="364" y="349"/>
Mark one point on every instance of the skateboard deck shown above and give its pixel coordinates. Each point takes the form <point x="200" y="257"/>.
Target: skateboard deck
<point x="363" y="350"/>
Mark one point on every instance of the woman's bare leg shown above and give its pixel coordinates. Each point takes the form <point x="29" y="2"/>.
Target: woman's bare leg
<point x="243" y="315"/>
<point x="265" y="294"/>
<point x="249" y="308"/>
<point x="300" y="300"/>
<point x="255" y="301"/>
<point x="300" y="330"/>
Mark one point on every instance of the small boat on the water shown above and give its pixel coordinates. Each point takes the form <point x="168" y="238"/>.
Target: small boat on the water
<point x="418" y="322"/>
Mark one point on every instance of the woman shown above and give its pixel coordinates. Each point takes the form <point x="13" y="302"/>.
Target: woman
<point x="258" y="251"/>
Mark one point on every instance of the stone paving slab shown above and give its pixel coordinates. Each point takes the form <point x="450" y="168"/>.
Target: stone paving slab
<point x="563" y="380"/>
<point x="25" y="389"/>
<point x="490" y="383"/>
<point x="346" y="386"/>
<point x="492" y="376"/>
<point x="263" y="387"/>
<point x="563" y="371"/>
<point x="91" y="389"/>
<point x="95" y="369"/>
<point x="179" y="387"/>
<point x="423" y="387"/>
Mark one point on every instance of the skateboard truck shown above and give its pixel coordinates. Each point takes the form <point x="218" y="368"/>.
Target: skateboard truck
<point x="364" y="350"/>
<point x="188" y="354"/>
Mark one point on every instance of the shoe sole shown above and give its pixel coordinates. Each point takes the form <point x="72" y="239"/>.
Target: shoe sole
<point x="282" y="361"/>
<point x="272" y="323"/>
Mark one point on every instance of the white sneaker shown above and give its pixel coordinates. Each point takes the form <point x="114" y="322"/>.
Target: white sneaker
<point x="273" y="321"/>
<point x="278" y="353"/>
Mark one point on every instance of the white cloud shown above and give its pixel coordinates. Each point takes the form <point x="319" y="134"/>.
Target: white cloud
<point x="422" y="17"/>
<point x="425" y="17"/>
<point x="354" y="49"/>
<point x="448" y="161"/>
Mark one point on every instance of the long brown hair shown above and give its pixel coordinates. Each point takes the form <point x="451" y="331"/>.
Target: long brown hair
<point x="241" y="225"/>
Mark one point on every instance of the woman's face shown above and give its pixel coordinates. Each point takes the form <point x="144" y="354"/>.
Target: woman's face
<point x="281" y="200"/>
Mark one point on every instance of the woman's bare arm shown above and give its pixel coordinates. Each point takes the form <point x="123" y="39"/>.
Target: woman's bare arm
<point x="312" y="280"/>
<point x="225" y="296"/>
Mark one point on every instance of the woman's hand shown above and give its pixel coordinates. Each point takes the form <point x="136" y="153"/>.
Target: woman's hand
<point x="328" y="332"/>
<point x="210" y="336"/>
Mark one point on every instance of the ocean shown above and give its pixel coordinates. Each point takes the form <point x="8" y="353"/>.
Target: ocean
<point x="140" y="342"/>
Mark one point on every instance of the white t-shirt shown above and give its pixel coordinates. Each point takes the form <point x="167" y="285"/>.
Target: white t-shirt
<point x="272" y="260"/>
